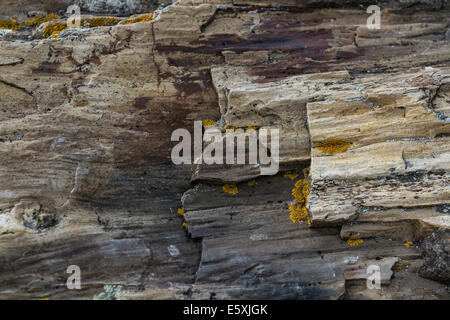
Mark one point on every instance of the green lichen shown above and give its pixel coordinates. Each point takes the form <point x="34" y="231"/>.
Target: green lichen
<point x="111" y="292"/>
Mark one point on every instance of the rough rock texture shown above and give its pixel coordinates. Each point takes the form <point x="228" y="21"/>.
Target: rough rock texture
<point x="122" y="7"/>
<point x="20" y="8"/>
<point x="436" y="258"/>
<point x="85" y="140"/>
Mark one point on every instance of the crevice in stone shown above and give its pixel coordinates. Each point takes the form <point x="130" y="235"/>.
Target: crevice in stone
<point x="17" y="87"/>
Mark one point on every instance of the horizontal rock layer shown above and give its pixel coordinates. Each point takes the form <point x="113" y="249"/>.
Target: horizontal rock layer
<point x="22" y="8"/>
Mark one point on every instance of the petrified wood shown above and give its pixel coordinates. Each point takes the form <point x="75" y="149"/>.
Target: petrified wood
<point x="86" y="176"/>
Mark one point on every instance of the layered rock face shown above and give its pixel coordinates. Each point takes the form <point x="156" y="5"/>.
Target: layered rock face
<point x="122" y="7"/>
<point x="86" y="176"/>
<point x="18" y="8"/>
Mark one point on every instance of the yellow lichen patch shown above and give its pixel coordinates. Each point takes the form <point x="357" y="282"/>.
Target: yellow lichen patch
<point x="308" y="222"/>
<point x="54" y="29"/>
<point x="297" y="213"/>
<point x="11" y="24"/>
<point x="208" y="123"/>
<point x="355" y="241"/>
<point x="37" y="20"/>
<point x="291" y="175"/>
<point x="230" y="188"/>
<point x="251" y="183"/>
<point x="184" y="225"/>
<point x="140" y="18"/>
<point x="332" y="146"/>
<point x="98" y="22"/>
<point x="398" y="266"/>
<point x="40" y="19"/>
<point x="301" y="192"/>
<point x="230" y="127"/>
<point x="181" y="211"/>
<point x="408" y="244"/>
<point x="250" y="127"/>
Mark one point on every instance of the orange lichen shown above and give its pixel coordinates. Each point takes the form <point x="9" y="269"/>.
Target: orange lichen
<point x="11" y="24"/>
<point x="250" y="127"/>
<point x="298" y="209"/>
<point x="37" y="20"/>
<point x="332" y="146"/>
<point x="301" y="192"/>
<point x="291" y="174"/>
<point x="141" y="18"/>
<point x="208" y="123"/>
<point x="40" y="19"/>
<point x="230" y="188"/>
<point x="408" y="244"/>
<point x="354" y="241"/>
<point x="297" y="213"/>
<point x="181" y="211"/>
<point x="98" y="22"/>
<point x="55" y="28"/>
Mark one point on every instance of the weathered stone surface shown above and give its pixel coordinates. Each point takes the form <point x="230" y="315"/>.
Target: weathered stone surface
<point x="85" y="140"/>
<point x="397" y="156"/>
<point x="436" y="265"/>
<point x="21" y="8"/>
<point x="121" y="7"/>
